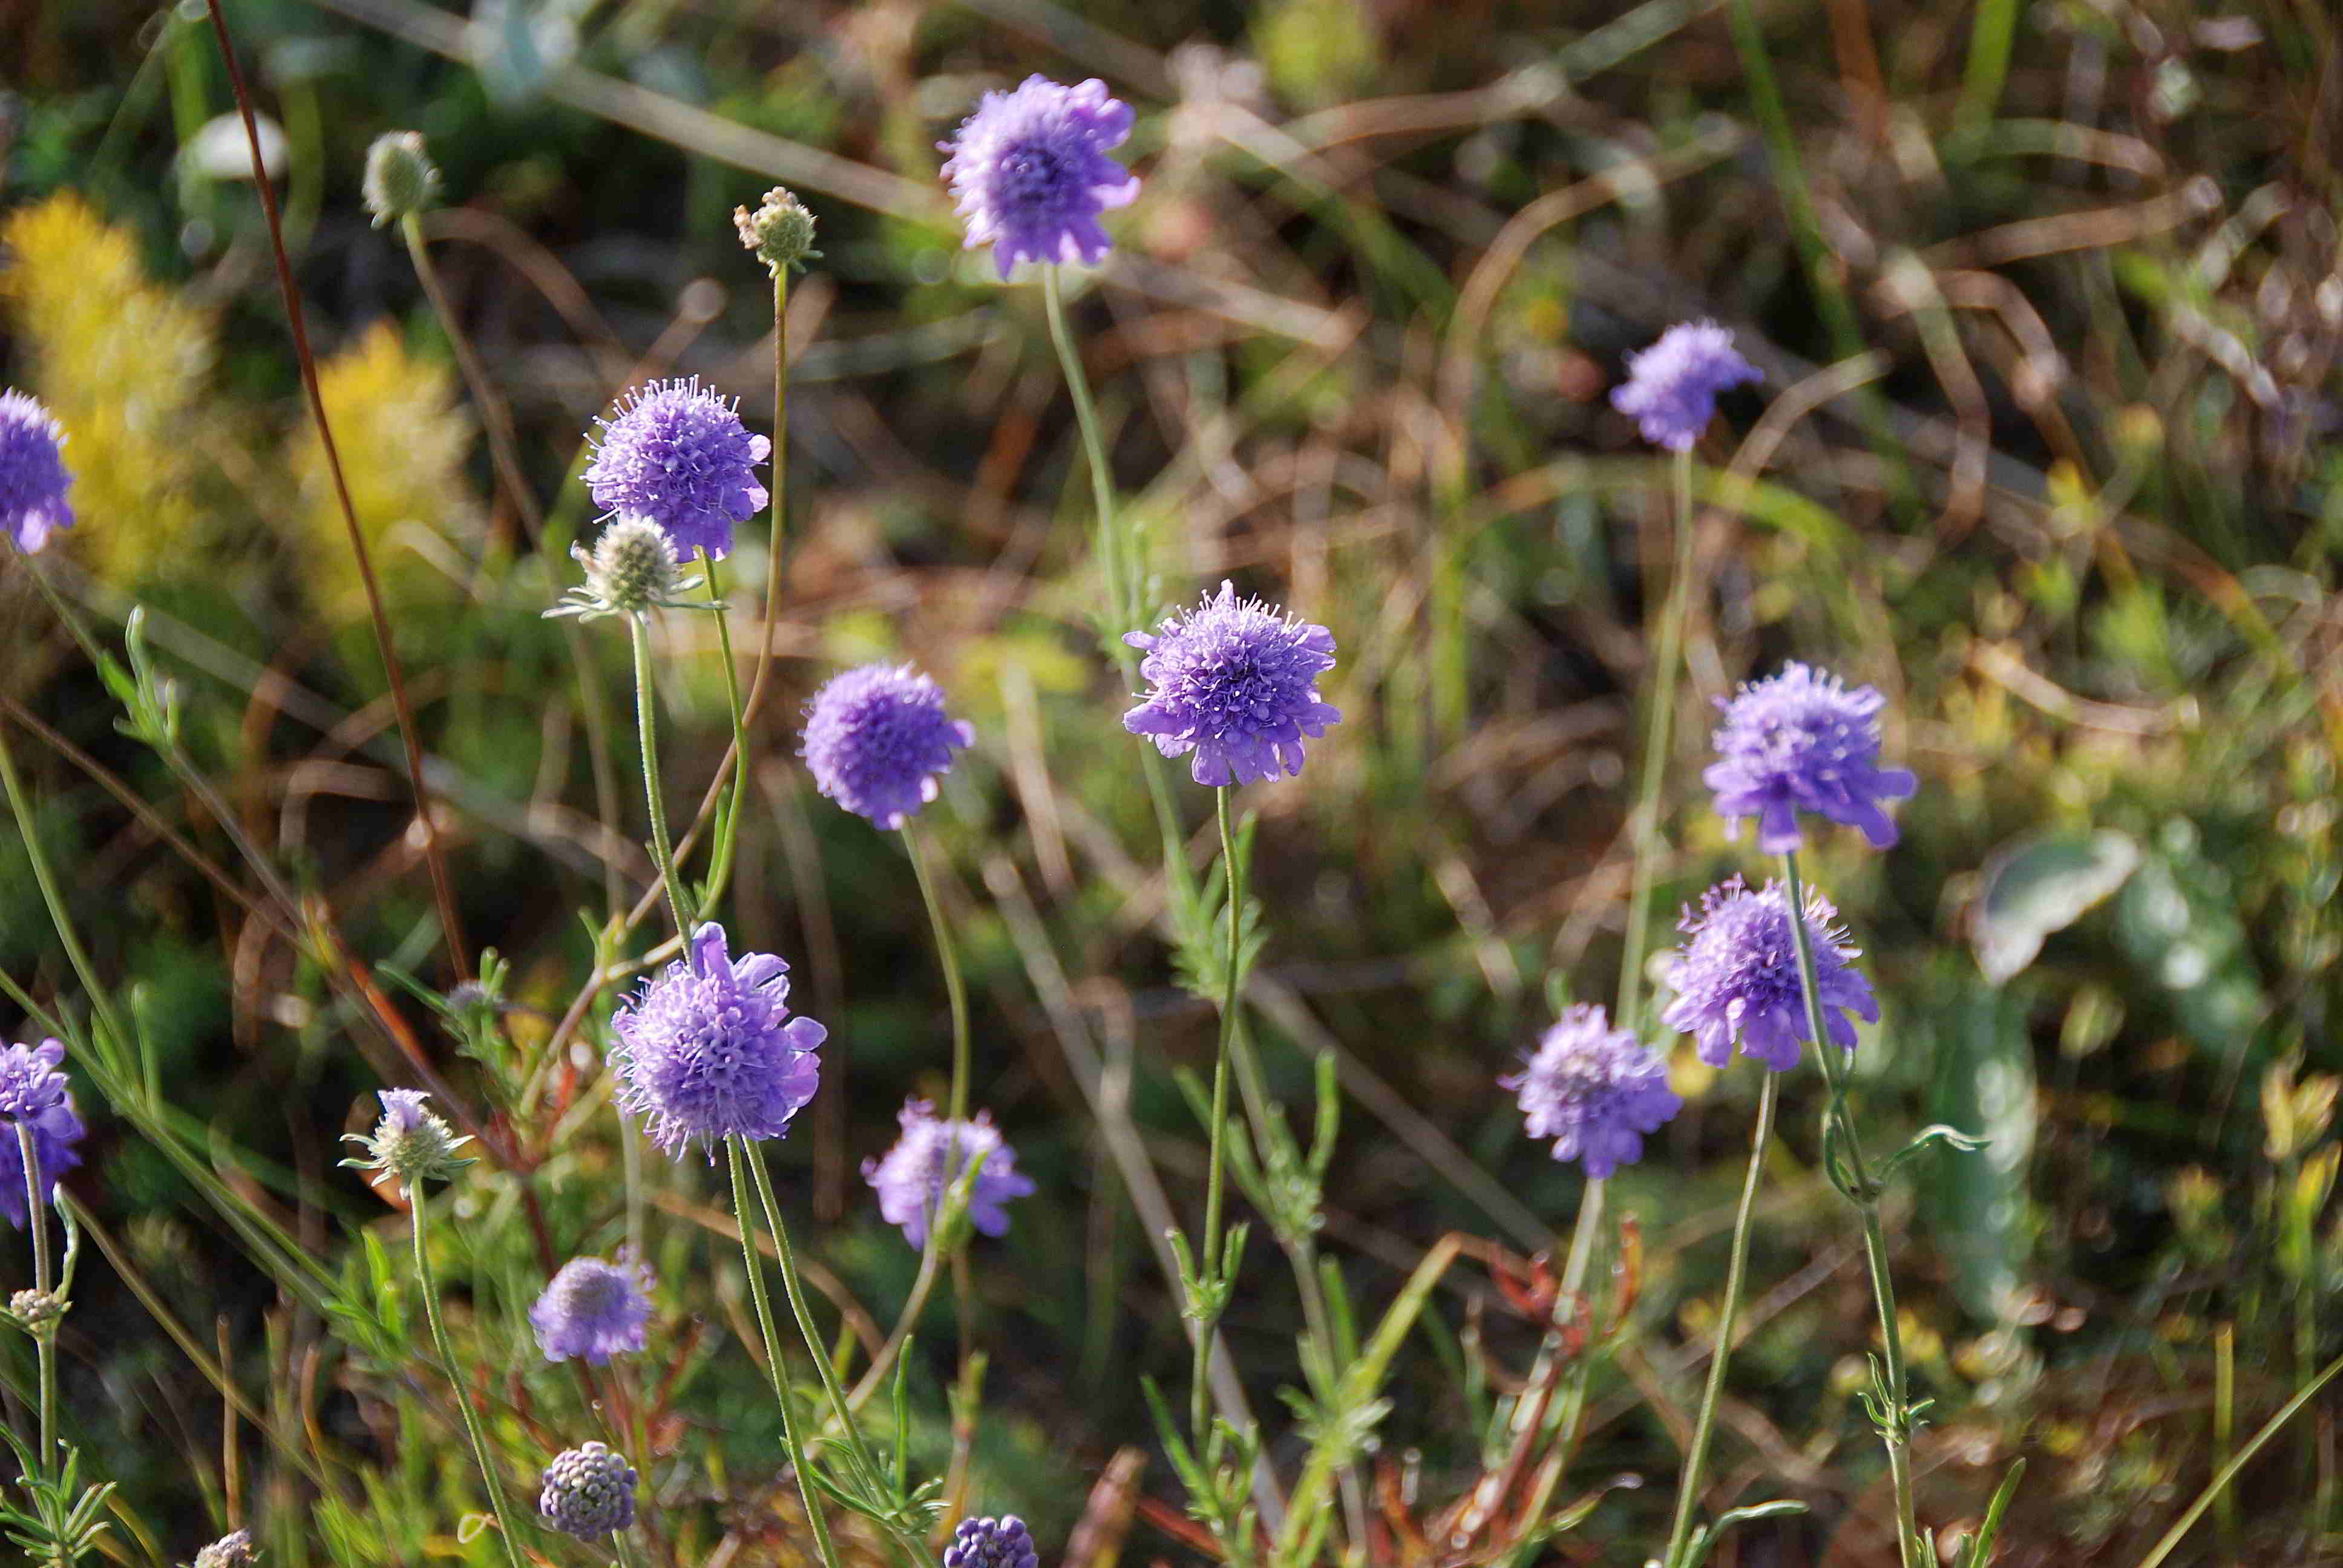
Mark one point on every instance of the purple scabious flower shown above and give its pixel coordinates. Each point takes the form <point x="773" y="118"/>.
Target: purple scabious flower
<point x="1737" y="976"/>
<point x="1801" y="741"/>
<point x="588" y="1493"/>
<point x="1029" y="173"/>
<point x="681" y="456"/>
<point x="1236" y="682"/>
<point x="928" y="1157"/>
<point x="877" y="739"/>
<point x="708" y="1048"/>
<point x="34" y="1094"/>
<point x="1671" y="387"/>
<point x="594" y="1310"/>
<point x="33" y="473"/>
<point x="1002" y="1542"/>
<point x="1595" y="1090"/>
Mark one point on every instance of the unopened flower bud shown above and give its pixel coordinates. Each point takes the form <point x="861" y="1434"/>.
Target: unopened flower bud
<point x="400" y="179"/>
<point x="38" y="1310"/>
<point x="632" y="570"/>
<point x="410" y="1143"/>
<point x="780" y="231"/>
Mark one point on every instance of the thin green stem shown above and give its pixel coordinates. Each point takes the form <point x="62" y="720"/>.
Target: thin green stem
<point x="1704" y="1427"/>
<point x="1897" y="1436"/>
<point x="44" y="1339"/>
<point x="779" y="491"/>
<point x="2244" y="1456"/>
<point x="807" y="1330"/>
<point x="1564" y="1421"/>
<point x="720" y="860"/>
<point x="647" y="723"/>
<point x="431" y="1289"/>
<point x="1111" y="565"/>
<point x="1124" y="580"/>
<point x="948" y="955"/>
<point x="1658" y="727"/>
<point x="792" y="1442"/>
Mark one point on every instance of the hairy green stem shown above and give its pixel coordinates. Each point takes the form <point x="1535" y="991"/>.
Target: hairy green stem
<point x="1897" y="1437"/>
<point x="948" y="956"/>
<point x="1704" y="1427"/>
<point x="1110" y="553"/>
<point x="431" y="1289"/>
<point x="1658" y="727"/>
<point x="720" y="860"/>
<point x="1208" y="1254"/>
<point x="840" y="1407"/>
<point x="45" y="1340"/>
<point x="647" y="723"/>
<point x="1123" y="577"/>
<point x="792" y="1443"/>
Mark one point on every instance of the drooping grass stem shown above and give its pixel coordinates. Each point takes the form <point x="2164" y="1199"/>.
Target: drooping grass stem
<point x="1703" y="1430"/>
<point x="442" y="890"/>
<point x="1658" y="730"/>
<point x="792" y="1442"/>
<point x="416" y="1210"/>
<point x="1895" y="1433"/>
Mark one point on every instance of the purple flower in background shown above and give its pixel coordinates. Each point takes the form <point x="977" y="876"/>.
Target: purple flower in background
<point x="1595" y="1090"/>
<point x="1737" y="976"/>
<point x="34" y="1094"/>
<point x="928" y="1157"/>
<point x="1801" y="741"/>
<point x="877" y="739"/>
<point x="681" y="456"/>
<point x="1236" y="682"/>
<point x="590" y="1492"/>
<point x="1029" y="173"/>
<point x="593" y="1310"/>
<point x="1002" y="1542"/>
<point x="1671" y="387"/>
<point x="708" y="1048"/>
<point x="33" y="474"/>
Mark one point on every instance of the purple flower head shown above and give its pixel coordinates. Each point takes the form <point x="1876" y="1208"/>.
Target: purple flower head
<point x="33" y="1094"/>
<point x="1029" y="173"/>
<point x="1595" y="1090"/>
<point x="1671" y="387"/>
<point x="1002" y="1542"/>
<point x="877" y="739"/>
<point x="1737" y="976"/>
<point x="1801" y="741"/>
<point x="1236" y="682"/>
<point x="681" y="456"/>
<point x="590" y="1492"/>
<point x="33" y="474"/>
<point x="928" y="1157"/>
<point x="594" y="1310"/>
<point x="708" y="1048"/>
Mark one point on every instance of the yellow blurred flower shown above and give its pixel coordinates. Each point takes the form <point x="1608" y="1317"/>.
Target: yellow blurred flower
<point x="122" y="363"/>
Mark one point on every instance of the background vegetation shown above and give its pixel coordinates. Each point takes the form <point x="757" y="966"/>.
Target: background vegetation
<point x="2048" y="300"/>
